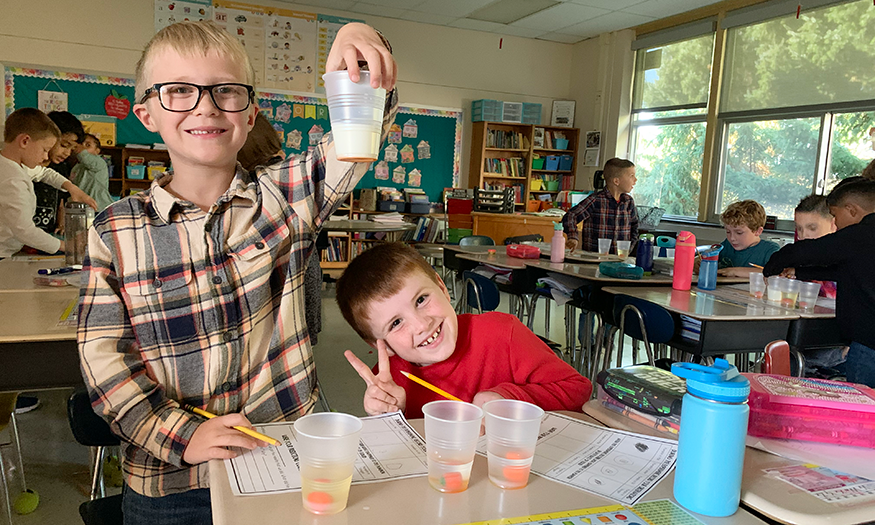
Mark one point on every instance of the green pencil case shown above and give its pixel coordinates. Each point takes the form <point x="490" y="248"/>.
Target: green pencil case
<point x="621" y="270"/>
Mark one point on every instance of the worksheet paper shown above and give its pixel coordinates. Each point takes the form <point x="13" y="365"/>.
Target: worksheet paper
<point x="389" y="449"/>
<point x="618" y="465"/>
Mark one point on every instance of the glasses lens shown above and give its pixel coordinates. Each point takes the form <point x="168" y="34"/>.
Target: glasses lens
<point x="231" y="97"/>
<point x="179" y="97"/>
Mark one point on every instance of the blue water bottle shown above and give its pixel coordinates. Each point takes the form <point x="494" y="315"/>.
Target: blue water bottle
<point x="644" y="254"/>
<point x="707" y="479"/>
<point x="708" y="267"/>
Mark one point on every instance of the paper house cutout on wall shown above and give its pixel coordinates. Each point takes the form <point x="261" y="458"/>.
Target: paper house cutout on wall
<point x="266" y="109"/>
<point x="395" y="134"/>
<point x="280" y="132"/>
<point x="391" y="153"/>
<point x="398" y="175"/>
<point x="293" y="139"/>
<point x="423" y="150"/>
<point x="414" y="178"/>
<point x="381" y="171"/>
<point x="406" y="154"/>
<point x="316" y="133"/>
<point x="283" y="112"/>
<point x="410" y="129"/>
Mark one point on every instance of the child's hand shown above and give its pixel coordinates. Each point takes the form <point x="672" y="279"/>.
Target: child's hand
<point x="213" y="437"/>
<point x="356" y="42"/>
<point x="789" y="273"/>
<point x="571" y="244"/>
<point x="484" y="397"/>
<point x="383" y="394"/>
<point x="77" y="195"/>
<point x="736" y="272"/>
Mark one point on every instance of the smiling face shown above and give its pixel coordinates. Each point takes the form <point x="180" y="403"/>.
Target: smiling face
<point x="418" y="322"/>
<point x="62" y="149"/>
<point x="813" y="225"/>
<point x="35" y="152"/>
<point x="204" y="136"/>
<point x="741" y="237"/>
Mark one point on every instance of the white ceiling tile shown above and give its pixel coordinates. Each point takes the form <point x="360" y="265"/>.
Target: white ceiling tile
<point x="400" y="4"/>
<point x="378" y="10"/>
<point x="665" y="8"/>
<point x="478" y="25"/>
<point x="459" y="8"/>
<point x="521" y="31"/>
<point x="603" y="24"/>
<point x="613" y="5"/>
<point x="329" y="4"/>
<point x="559" y="37"/>
<point x="428" y="18"/>
<point x="559" y="16"/>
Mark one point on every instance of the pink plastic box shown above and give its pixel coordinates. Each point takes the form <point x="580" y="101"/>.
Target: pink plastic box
<point x="811" y="410"/>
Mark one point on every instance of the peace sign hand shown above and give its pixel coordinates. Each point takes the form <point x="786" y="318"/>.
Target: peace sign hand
<point x="383" y="394"/>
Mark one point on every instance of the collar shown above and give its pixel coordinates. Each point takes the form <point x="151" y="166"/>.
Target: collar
<point x="242" y="186"/>
<point x="624" y="197"/>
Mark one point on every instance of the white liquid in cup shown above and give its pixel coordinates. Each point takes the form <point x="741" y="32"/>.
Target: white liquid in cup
<point x="356" y="142"/>
<point x="356" y="113"/>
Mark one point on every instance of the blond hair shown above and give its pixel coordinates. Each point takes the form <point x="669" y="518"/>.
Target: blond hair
<point x="744" y="213"/>
<point x="193" y="39"/>
<point x="29" y="121"/>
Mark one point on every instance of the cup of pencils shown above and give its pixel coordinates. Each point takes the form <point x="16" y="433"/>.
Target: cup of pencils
<point x="512" y="428"/>
<point x="452" y="429"/>
<point x="327" y="445"/>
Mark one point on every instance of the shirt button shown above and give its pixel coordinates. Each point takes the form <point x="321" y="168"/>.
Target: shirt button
<point x="226" y="387"/>
<point x="156" y="283"/>
<point x="208" y="227"/>
<point x="217" y="280"/>
<point x="228" y="336"/>
<point x="259" y="245"/>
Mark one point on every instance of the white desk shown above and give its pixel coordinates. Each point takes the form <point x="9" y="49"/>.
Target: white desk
<point x="18" y="275"/>
<point x="366" y="226"/>
<point x="770" y="496"/>
<point x="413" y="501"/>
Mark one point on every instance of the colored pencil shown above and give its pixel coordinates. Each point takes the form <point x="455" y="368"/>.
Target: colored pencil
<point x="430" y="386"/>
<point x="756" y="265"/>
<point x="247" y="431"/>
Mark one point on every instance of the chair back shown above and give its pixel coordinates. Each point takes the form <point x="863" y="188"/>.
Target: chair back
<point x="658" y="322"/>
<point x="535" y="237"/>
<point x="88" y="428"/>
<point x="7" y="407"/>
<point x="777" y="358"/>
<point x="482" y="293"/>
<point x="476" y="240"/>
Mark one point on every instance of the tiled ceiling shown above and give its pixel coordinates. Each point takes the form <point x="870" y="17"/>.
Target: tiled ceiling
<point x="566" y="21"/>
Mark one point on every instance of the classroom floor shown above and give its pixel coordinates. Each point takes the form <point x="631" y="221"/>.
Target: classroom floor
<point x="57" y="467"/>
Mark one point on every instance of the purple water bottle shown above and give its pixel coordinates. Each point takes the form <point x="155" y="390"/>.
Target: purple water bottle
<point x="644" y="255"/>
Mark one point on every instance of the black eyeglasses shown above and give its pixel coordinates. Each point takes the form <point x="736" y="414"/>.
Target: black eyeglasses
<point x="180" y="97"/>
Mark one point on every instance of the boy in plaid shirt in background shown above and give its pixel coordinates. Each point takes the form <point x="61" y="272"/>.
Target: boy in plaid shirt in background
<point x="193" y="290"/>
<point x="606" y="214"/>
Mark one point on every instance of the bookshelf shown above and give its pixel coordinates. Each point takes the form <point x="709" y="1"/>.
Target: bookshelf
<point x="338" y="254"/>
<point x="119" y="183"/>
<point x="502" y="153"/>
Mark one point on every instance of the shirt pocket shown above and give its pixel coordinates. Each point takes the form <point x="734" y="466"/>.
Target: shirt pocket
<point x="162" y="309"/>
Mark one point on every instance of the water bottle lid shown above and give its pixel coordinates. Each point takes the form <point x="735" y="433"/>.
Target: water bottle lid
<point x="75" y="205"/>
<point x="720" y="382"/>
<point x="557" y="226"/>
<point x="686" y="238"/>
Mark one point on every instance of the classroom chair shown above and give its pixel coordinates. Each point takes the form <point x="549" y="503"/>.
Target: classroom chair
<point x="778" y="357"/>
<point x="7" y="418"/>
<point x="535" y="237"/>
<point x="91" y="430"/>
<point x="478" y="293"/>
<point x="476" y="240"/>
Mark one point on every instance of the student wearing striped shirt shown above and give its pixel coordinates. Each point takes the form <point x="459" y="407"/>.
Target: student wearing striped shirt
<point x="606" y="214"/>
<point x="193" y="291"/>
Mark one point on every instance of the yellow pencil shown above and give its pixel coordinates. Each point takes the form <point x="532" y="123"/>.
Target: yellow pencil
<point x="430" y="386"/>
<point x="247" y="431"/>
<point x="756" y="265"/>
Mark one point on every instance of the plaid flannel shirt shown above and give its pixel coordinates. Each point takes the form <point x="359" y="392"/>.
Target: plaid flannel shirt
<point x="603" y="218"/>
<point x="181" y="306"/>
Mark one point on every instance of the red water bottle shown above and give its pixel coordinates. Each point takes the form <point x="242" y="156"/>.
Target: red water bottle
<point x="684" y="256"/>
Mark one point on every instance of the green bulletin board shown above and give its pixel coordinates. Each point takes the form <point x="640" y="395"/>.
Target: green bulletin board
<point x="426" y="139"/>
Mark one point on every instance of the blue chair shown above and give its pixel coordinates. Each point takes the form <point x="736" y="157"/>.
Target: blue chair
<point x="643" y="321"/>
<point x="476" y="240"/>
<point x="479" y="293"/>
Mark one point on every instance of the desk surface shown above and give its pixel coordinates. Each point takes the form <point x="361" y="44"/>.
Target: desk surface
<point x="29" y="317"/>
<point x="413" y="501"/>
<point x="366" y="226"/>
<point x="590" y="272"/>
<point x="17" y="276"/>
<point x="704" y="305"/>
<point x="770" y="496"/>
<point x="499" y="259"/>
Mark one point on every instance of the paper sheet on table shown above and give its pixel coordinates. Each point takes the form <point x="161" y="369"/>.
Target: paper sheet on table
<point x="622" y="466"/>
<point x="389" y="449"/>
<point x="858" y="461"/>
<point x="70" y="317"/>
<point x="826" y="484"/>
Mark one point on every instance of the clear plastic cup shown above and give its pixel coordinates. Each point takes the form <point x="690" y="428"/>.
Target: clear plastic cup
<point x="669" y="252"/>
<point x="623" y="248"/>
<point x="327" y="446"/>
<point x="789" y="292"/>
<point x="808" y="293"/>
<point x="757" y="285"/>
<point x="356" y="113"/>
<point x="773" y="292"/>
<point x="511" y="434"/>
<point x="451" y="432"/>
<point x="605" y="246"/>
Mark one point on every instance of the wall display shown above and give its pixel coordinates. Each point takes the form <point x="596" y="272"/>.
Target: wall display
<point x="171" y="11"/>
<point x="327" y="26"/>
<point x="563" y="113"/>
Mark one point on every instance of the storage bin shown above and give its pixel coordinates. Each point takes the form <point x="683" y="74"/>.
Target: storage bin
<point x="418" y="207"/>
<point x="533" y="206"/>
<point x="535" y="185"/>
<point x="551" y="185"/>
<point x="454" y="234"/>
<point x="486" y="110"/>
<point x="512" y="112"/>
<point x="560" y="143"/>
<point x="153" y="172"/>
<point x="136" y="172"/>
<point x="531" y="113"/>
<point x="391" y="206"/>
<point x="537" y="162"/>
<point x="565" y="162"/>
<point x="552" y="163"/>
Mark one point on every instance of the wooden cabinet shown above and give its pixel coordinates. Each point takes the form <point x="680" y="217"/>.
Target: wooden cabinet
<point x="500" y="226"/>
<point x="119" y="183"/>
<point x="502" y="155"/>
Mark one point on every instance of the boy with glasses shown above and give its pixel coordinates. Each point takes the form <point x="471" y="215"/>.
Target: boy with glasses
<point x="193" y="289"/>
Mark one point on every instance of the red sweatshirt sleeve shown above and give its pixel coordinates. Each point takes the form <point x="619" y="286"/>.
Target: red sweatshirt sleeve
<point x="540" y="377"/>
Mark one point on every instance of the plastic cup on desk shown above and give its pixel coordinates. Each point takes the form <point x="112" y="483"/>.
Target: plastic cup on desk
<point x="511" y="434"/>
<point x="808" y="293"/>
<point x="451" y="432"/>
<point x="356" y="113"/>
<point x="789" y="292"/>
<point x="605" y="246"/>
<point x="773" y="292"/>
<point x="623" y="248"/>
<point x="669" y="253"/>
<point x="327" y="446"/>
<point x="757" y="285"/>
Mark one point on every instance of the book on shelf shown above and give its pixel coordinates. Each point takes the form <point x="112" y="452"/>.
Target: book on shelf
<point x="511" y="167"/>
<point x="497" y="138"/>
<point x="428" y="229"/>
<point x="336" y="250"/>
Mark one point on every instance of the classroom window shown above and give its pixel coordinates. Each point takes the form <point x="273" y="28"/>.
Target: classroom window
<point x="670" y="100"/>
<point x="852" y="146"/>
